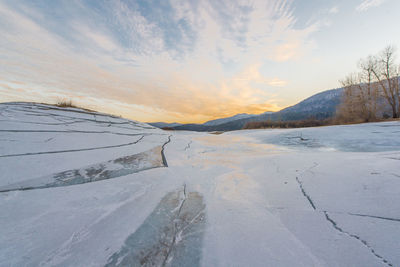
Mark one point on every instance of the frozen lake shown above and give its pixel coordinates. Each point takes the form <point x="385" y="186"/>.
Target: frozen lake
<point x="88" y="189"/>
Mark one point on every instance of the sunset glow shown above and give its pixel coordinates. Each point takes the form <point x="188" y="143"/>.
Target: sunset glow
<point x="185" y="61"/>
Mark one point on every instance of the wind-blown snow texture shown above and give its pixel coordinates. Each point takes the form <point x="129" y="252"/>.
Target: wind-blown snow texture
<point x="88" y="189"/>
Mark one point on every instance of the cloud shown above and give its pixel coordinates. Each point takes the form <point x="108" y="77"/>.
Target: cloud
<point x="334" y="10"/>
<point x="367" y="4"/>
<point x="180" y="60"/>
<point x="94" y="37"/>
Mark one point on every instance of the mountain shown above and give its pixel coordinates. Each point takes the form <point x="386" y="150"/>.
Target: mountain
<point x="228" y="119"/>
<point x="319" y="106"/>
<point x="164" y="124"/>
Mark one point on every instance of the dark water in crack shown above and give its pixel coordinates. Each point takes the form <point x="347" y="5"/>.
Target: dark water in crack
<point x="172" y="234"/>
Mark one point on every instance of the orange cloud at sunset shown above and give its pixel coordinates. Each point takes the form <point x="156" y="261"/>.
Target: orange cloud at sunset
<point x="146" y="88"/>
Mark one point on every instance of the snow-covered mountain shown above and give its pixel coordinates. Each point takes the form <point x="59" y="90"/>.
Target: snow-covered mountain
<point x="324" y="102"/>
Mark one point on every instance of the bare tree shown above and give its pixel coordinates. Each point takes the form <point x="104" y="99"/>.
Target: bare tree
<point x="386" y="73"/>
<point x="352" y="107"/>
<point x="360" y="95"/>
<point x="377" y="80"/>
<point x="368" y="87"/>
<point x="397" y="89"/>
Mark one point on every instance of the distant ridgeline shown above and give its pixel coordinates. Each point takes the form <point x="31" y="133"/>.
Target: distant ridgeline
<point x="319" y="107"/>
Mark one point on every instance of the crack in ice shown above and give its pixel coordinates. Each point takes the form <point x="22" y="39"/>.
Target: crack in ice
<point x="164" y="159"/>
<point x="365" y="243"/>
<point x="305" y="193"/>
<point x="188" y="145"/>
<point x="334" y="224"/>
<point x="71" y="150"/>
<point x="171" y="246"/>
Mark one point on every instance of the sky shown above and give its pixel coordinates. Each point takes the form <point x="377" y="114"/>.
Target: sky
<point x="186" y="60"/>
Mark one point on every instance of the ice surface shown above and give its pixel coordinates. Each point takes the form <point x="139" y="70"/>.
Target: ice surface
<point x="371" y="137"/>
<point x="170" y="236"/>
<point x="326" y="196"/>
<point x="101" y="171"/>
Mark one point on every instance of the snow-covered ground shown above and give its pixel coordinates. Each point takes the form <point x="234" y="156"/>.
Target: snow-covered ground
<point x="88" y="189"/>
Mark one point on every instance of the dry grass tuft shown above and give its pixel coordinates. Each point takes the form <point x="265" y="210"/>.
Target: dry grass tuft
<point x="66" y="104"/>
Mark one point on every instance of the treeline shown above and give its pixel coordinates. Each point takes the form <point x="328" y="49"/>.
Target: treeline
<point x="288" y="124"/>
<point x="372" y="93"/>
<point x="167" y="129"/>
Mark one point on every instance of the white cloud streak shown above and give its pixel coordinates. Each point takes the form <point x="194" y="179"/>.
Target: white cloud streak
<point x="367" y="4"/>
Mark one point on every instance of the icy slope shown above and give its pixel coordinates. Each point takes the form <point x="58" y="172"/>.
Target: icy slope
<point x="246" y="198"/>
<point x="46" y="143"/>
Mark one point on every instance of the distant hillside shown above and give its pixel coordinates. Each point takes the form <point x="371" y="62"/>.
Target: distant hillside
<point x="164" y="124"/>
<point x="319" y="106"/>
<point x="228" y="119"/>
